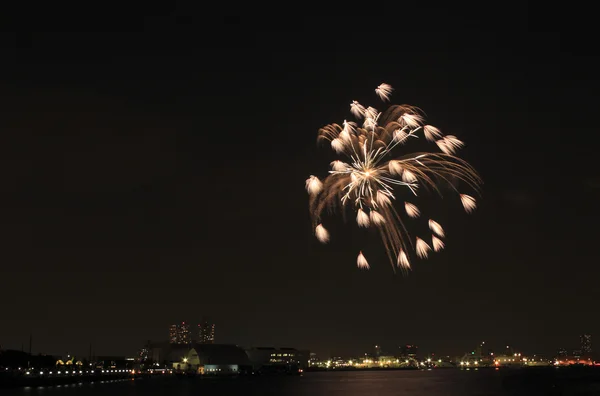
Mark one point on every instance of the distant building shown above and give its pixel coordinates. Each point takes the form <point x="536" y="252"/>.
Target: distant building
<point x="144" y="353"/>
<point x="206" y="333"/>
<point x="14" y="359"/>
<point x="586" y="344"/>
<point x="387" y="361"/>
<point x="113" y="362"/>
<point x="278" y="359"/>
<point x="480" y="350"/>
<point x="207" y="359"/>
<point x="408" y="351"/>
<point x="180" y="334"/>
<point x="377" y="351"/>
<point x="160" y="350"/>
<point x="562" y="352"/>
<point x="502" y="360"/>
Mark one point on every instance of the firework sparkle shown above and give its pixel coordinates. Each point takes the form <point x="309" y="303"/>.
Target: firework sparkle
<point x="373" y="176"/>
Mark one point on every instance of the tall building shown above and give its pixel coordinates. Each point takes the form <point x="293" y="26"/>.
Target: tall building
<point x="180" y="334"/>
<point x="586" y="344"/>
<point x="206" y="332"/>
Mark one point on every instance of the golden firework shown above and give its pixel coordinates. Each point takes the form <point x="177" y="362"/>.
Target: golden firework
<point x="373" y="177"/>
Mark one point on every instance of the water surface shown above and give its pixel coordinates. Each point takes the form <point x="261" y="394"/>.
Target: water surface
<point x="446" y="382"/>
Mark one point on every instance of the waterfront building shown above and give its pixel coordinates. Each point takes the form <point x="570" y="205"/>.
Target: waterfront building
<point x="278" y="359"/>
<point x="209" y="359"/>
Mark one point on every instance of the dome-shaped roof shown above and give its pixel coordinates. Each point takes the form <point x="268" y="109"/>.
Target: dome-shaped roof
<point x="220" y="354"/>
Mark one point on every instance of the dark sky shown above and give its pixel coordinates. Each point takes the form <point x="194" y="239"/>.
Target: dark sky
<point x="158" y="175"/>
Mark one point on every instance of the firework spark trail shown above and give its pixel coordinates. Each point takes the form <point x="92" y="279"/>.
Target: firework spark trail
<point x="373" y="177"/>
<point x="361" y="261"/>
<point x="438" y="244"/>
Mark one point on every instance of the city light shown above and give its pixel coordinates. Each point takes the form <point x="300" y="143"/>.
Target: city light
<point x="405" y="358"/>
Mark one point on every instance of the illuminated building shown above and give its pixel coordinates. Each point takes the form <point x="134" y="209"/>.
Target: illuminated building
<point x="206" y="333"/>
<point x="562" y="352"/>
<point x="208" y="359"/>
<point x="408" y="351"/>
<point x="143" y="354"/>
<point x="586" y="344"/>
<point x="173" y="334"/>
<point x="180" y="334"/>
<point x="506" y="360"/>
<point x="278" y="359"/>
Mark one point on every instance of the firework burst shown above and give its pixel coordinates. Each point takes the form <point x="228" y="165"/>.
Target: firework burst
<point x="373" y="177"/>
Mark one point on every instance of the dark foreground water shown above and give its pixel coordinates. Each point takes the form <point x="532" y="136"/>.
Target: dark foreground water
<point x="446" y="382"/>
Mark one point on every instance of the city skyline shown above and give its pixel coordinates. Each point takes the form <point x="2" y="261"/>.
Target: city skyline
<point x="151" y="174"/>
<point x="182" y="334"/>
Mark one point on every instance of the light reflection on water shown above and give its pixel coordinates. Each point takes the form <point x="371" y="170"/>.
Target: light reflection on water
<point x="447" y="382"/>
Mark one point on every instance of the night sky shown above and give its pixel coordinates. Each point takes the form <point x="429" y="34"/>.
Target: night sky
<point x="157" y="176"/>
